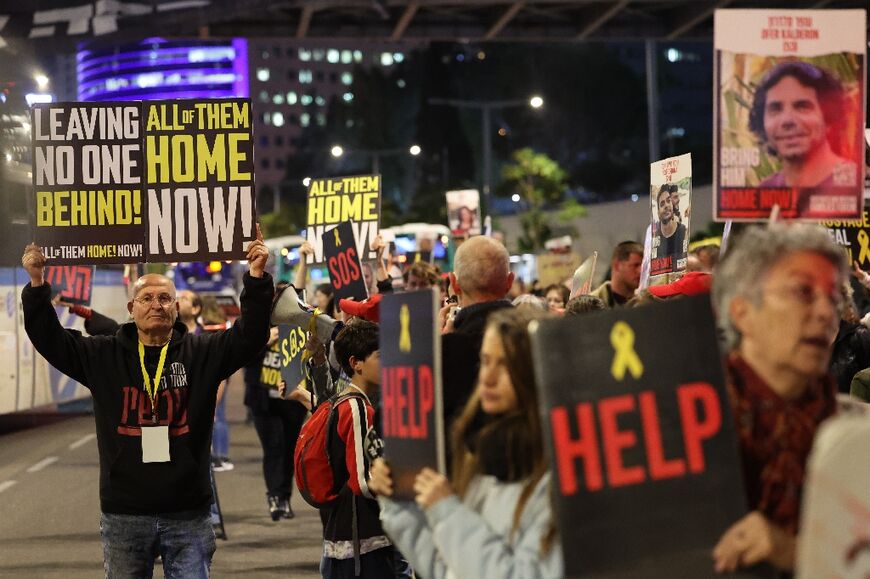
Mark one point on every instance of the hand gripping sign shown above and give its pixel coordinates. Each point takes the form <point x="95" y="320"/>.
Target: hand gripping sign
<point x="641" y="438"/>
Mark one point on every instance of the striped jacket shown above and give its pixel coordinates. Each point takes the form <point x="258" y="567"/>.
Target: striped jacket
<point x="358" y="443"/>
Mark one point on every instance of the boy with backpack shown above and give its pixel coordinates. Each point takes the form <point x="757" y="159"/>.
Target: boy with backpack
<point x="333" y="455"/>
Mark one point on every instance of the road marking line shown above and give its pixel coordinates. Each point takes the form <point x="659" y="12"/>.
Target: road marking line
<point x="82" y="441"/>
<point x="42" y="464"/>
<point x="6" y="484"/>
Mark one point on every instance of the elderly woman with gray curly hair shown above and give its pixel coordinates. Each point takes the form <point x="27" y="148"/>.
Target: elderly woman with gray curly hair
<point x="778" y="297"/>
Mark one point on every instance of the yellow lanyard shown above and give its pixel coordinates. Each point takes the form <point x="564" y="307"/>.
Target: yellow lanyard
<point x="152" y="395"/>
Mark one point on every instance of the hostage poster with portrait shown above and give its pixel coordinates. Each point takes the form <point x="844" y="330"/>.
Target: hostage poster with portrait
<point x="463" y="212"/>
<point x="671" y="202"/>
<point x="789" y="114"/>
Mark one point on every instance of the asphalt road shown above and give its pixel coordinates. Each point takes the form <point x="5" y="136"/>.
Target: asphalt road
<point x="49" y="507"/>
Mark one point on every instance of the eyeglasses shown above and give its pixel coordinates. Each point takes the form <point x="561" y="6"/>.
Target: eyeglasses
<point x="164" y="300"/>
<point x="807" y="295"/>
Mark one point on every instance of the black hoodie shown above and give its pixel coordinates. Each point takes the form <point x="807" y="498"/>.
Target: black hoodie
<point x="109" y="367"/>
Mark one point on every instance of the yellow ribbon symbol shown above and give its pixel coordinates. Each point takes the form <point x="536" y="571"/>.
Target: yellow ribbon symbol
<point x="864" y="240"/>
<point x="622" y="339"/>
<point x="418" y="258"/>
<point x="312" y="331"/>
<point x="337" y="238"/>
<point x="405" y="330"/>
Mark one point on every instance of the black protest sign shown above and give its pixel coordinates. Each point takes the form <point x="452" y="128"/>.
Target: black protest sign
<point x="270" y="370"/>
<point x="418" y="256"/>
<point x="74" y="283"/>
<point x="854" y="237"/>
<point x="87" y="206"/>
<point x="199" y="179"/>
<point x="343" y="263"/>
<point x="411" y="399"/>
<point x="291" y="346"/>
<point x="338" y="199"/>
<point x="642" y="441"/>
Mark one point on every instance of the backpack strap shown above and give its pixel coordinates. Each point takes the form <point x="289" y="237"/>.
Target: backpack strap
<point x="331" y="428"/>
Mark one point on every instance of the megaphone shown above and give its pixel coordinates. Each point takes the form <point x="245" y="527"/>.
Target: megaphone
<point x="289" y="309"/>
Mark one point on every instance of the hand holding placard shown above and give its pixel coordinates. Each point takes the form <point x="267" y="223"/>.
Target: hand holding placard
<point x="258" y="255"/>
<point x="33" y="261"/>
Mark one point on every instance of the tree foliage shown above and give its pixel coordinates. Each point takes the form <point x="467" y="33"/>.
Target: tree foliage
<point x="539" y="181"/>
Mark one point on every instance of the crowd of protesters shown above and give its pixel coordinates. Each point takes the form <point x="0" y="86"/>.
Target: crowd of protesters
<point x="791" y="338"/>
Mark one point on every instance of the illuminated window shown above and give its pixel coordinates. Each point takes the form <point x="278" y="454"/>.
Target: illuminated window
<point x="317" y="54"/>
<point x="291" y="98"/>
<point x="321" y="119"/>
<point x="319" y="101"/>
<point x="305" y="76"/>
<point x="348" y="97"/>
<point x="278" y="119"/>
<point x="400" y="83"/>
<point x="304" y="55"/>
<point x="347" y="78"/>
<point x="333" y="56"/>
<point x="304" y="119"/>
<point x="263" y="74"/>
<point x="357" y="55"/>
<point x="264" y="96"/>
<point x="386" y="58"/>
<point x="278" y="98"/>
<point x="346" y="56"/>
<point x="306" y="99"/>
<point x="267" y="118"/>
<point x="398" y="57"/>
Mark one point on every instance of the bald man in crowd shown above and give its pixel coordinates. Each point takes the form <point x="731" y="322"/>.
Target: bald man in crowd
<point x="154" y="386"/>
<point x="481" y="278"/>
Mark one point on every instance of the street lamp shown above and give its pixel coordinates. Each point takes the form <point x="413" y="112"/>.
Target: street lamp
<point x="376" y="154"/>
<point x="535" y="102"/>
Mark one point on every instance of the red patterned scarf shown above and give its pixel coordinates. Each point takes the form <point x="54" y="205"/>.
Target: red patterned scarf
<point x="775" y="437"/>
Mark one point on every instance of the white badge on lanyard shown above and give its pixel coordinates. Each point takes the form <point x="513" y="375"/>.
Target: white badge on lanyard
<point x="155" y="444"/>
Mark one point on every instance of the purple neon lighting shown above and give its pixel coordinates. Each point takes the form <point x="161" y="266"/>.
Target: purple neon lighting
<point x="192" y="75"/>
<point x="143" y="58"/>
<point x="199" y="73"/>
<point x="242" y="87"/>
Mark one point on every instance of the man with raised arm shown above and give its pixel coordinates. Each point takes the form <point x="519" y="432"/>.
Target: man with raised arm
<point x="154" y="386"/>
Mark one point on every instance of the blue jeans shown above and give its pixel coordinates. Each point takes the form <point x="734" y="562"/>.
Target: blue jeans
<point x="132" y="542"/>
<point x="220" y="439"/>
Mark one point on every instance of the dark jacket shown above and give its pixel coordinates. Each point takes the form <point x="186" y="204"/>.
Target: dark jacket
<point x="460" y="355"/>
<point x="109" y="367"/>
<point x="851" y="354"/>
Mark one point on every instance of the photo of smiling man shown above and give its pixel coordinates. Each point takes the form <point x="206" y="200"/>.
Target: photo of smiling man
<point x="789" y="114"/>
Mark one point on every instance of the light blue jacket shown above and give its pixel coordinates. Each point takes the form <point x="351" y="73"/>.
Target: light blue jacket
<point x="471" y="539"/>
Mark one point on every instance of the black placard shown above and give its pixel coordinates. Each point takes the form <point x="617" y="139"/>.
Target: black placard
<point x="335" y="200"/>
<point x="291" y="346"/>
<point x="74" y="283"/>
<point x="199" y="179"/>
<point x="270" y="370"/>
<point x="88" y="206"/>
<point x="646" y="472"/>
<point x="343" y="263"/>
<point x="411" y="400"/>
